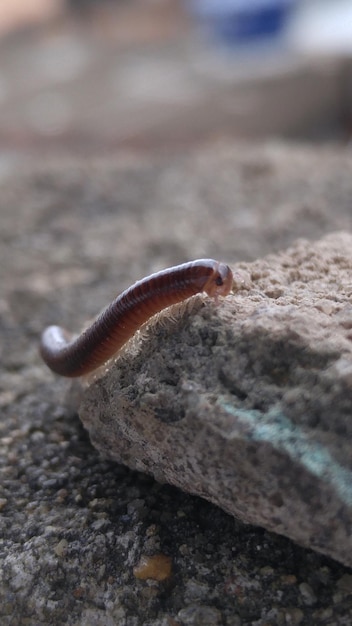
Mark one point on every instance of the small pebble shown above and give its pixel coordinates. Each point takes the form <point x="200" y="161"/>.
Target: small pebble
<point x="61" y="548"/>
<point x="157" y="567"/>
<point x="345" y="583"/>
<point x="308" y="594"/>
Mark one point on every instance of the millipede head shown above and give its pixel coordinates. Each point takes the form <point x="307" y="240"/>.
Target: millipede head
<point x="221" y="281"/>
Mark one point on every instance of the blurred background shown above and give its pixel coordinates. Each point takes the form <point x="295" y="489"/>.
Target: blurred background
<point x="96" y="75"/>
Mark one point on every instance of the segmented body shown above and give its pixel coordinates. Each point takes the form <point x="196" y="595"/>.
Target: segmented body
<point x="128" y="312"/>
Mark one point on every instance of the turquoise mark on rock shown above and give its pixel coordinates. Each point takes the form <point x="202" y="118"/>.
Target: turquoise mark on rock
<point x="275" y="428"/>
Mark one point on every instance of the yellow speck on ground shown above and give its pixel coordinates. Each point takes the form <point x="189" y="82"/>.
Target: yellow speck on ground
<point x="157" y="567"/>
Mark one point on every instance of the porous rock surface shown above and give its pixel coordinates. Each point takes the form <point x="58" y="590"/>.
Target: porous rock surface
<point x="247" y="403"/>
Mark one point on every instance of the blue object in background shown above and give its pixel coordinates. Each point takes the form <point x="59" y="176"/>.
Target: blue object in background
<point x="243" y="21"/>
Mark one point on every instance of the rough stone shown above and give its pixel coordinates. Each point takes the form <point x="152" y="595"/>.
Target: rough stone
<point x="248" y="403"/>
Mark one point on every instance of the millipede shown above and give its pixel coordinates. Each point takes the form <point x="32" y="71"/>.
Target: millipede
<point x="77" y="356"/>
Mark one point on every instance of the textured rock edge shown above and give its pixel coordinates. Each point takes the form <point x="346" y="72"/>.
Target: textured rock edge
<point x="180" y="404"/>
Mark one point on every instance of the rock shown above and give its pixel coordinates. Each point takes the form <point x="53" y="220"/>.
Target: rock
<point x="247" y="403"/>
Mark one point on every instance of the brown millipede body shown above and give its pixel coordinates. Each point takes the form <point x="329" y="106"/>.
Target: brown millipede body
<point x="128" y="312"/>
